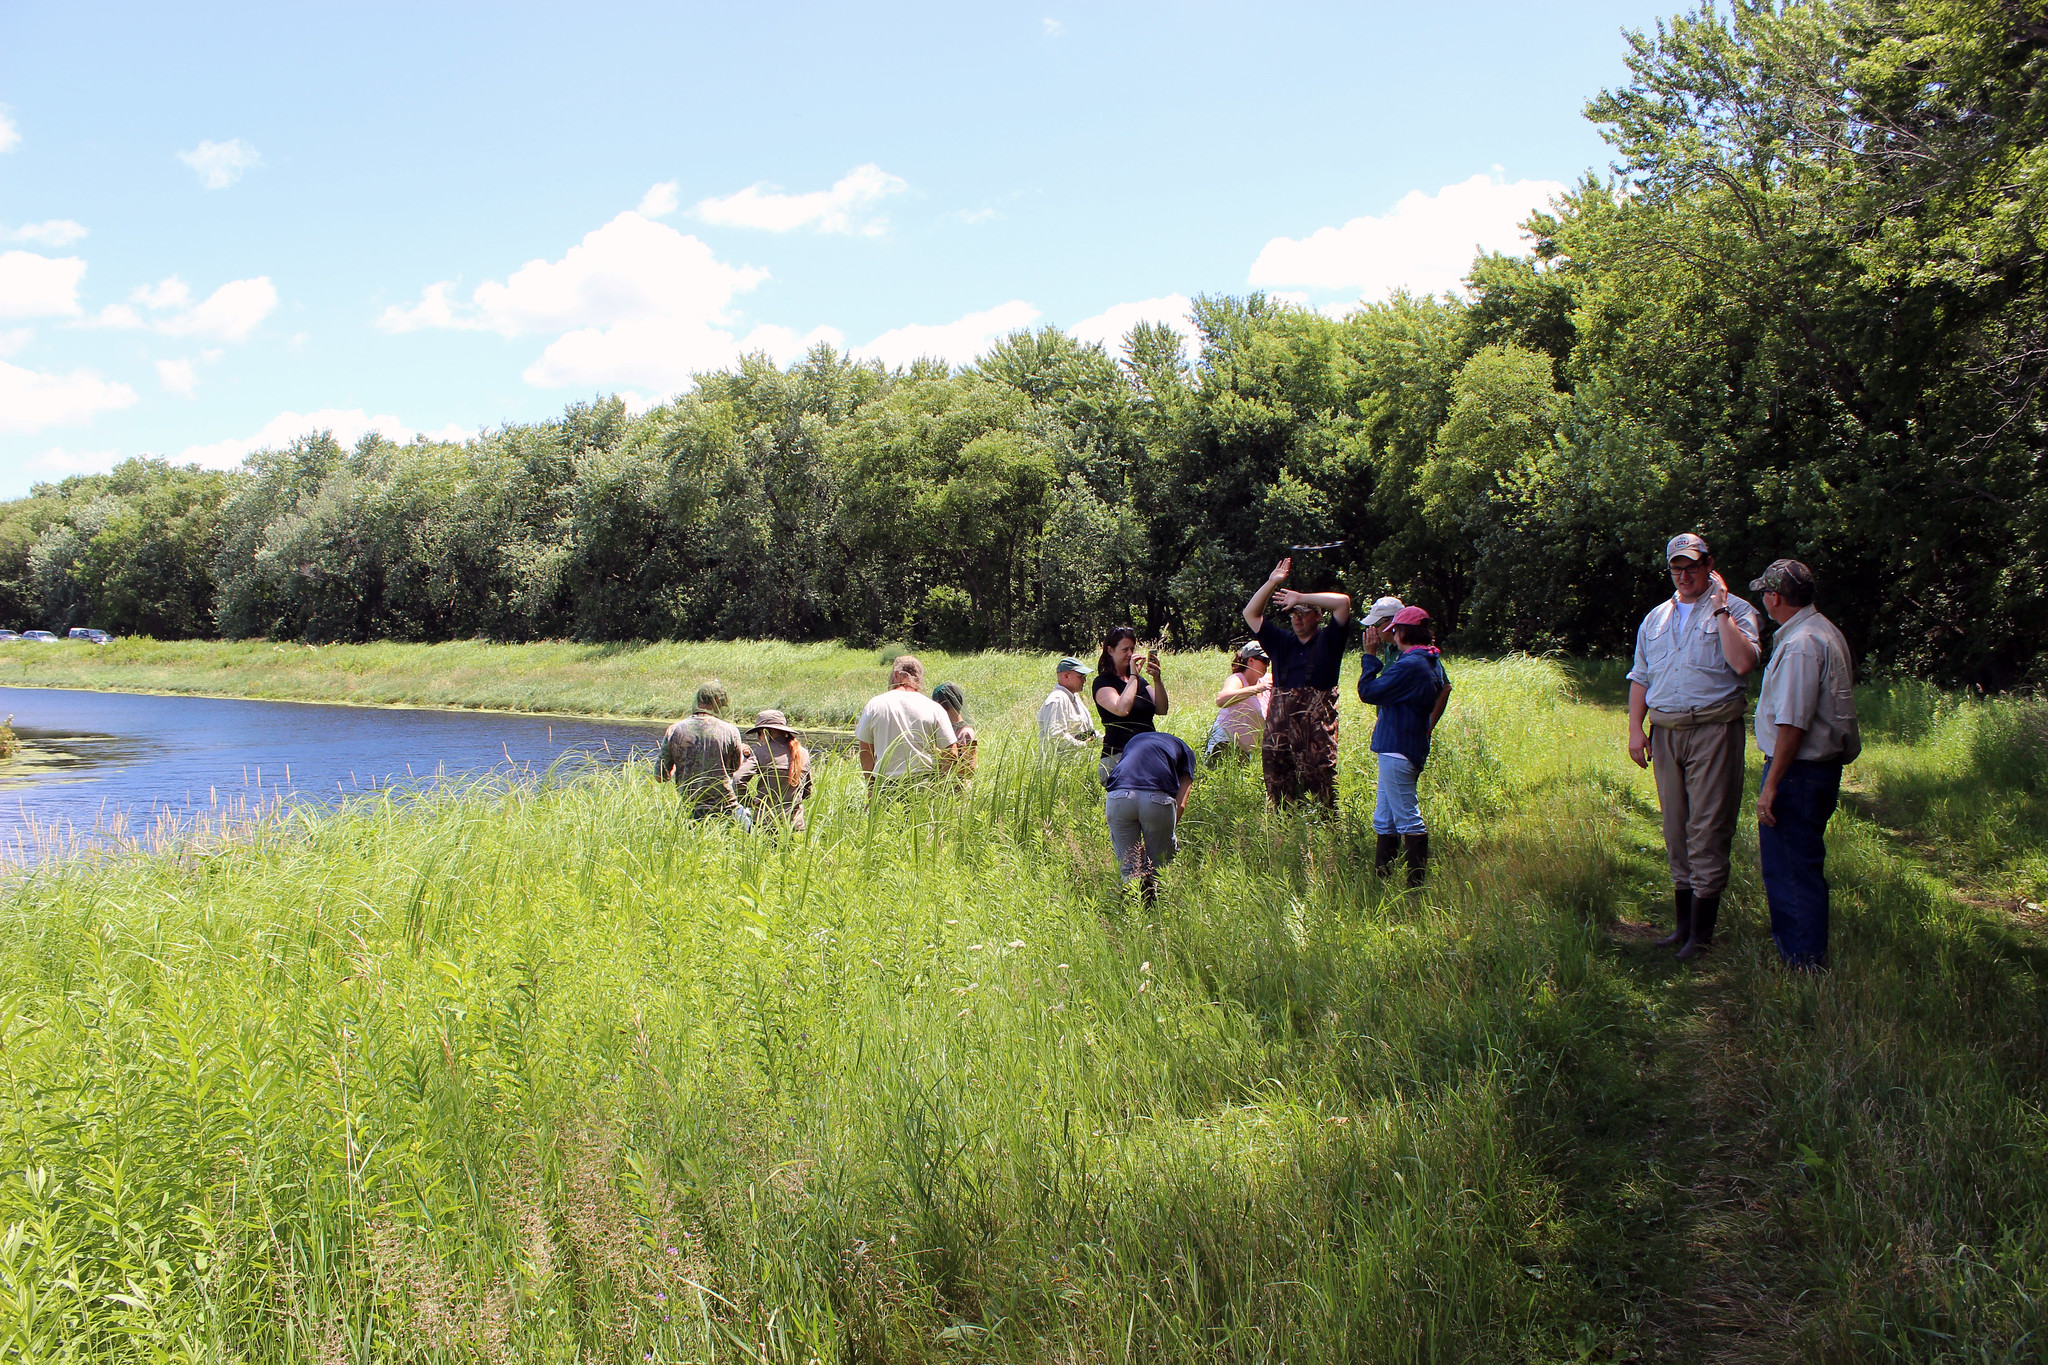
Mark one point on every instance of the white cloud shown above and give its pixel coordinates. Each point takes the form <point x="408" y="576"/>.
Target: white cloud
<point x="1424" y="244"/>
<point x="221" y="164"/>
<point x="1054" y="28"/>
<point x="61" y="462"/>
<point x="635" y="303"/>
<point x="10" y="132"/>
<point x="660" y="200"/>
<point x="833" y="210"/>
<point x="30" y="399"/>
<point x="957" y="343"/>
<point x="974" y="215"/>
<point x="14" y="339"/>
<point x="1111" y="325"/>
<point x="229" y="313"/>
<point x="33" y="286"/>
<point x="176" y="377"/>
<point x="169" y="292"/>
<point x="349" y="425"/>
<point x="56" y="232"/>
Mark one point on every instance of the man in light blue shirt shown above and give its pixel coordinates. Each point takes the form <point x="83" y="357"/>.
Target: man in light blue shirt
<point x="1692" y="653"/>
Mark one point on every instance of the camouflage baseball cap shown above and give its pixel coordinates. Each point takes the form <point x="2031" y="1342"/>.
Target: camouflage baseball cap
<point x="1784" y="574"/>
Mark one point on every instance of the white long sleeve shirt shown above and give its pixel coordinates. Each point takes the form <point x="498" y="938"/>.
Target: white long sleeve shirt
<point x="1063" y="724"/>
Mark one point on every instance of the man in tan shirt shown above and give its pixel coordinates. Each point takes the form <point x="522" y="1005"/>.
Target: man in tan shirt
<point x="1686" y="697"/>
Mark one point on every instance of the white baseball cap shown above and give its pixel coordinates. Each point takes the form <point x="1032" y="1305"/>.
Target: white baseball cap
<point x="1382" y="611"/>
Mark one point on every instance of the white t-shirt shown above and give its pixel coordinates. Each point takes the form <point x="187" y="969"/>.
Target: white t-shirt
<point x="906" y="729"/>
<point x="1684" y="613"/>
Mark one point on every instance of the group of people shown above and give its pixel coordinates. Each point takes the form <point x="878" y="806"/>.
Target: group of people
<point x="1280" y="700"/>
<point x="1687" y="699"/>
<point x="764" y="774"/>
<point x="1687" y="702"/>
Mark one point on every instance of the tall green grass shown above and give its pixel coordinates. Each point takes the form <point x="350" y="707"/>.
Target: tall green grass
<point x="548" y="1073"/>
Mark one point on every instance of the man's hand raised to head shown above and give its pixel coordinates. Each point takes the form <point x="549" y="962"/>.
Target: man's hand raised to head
<point x="1280" y="571"/>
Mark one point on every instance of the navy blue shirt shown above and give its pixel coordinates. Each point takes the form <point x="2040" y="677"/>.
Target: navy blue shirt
<point x="1153" y="762"/>
<point x="1295" y="664"/>
<point x="1405" y="694"/>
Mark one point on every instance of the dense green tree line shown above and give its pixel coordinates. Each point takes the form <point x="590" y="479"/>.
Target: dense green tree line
<point x="1805" y="316"/>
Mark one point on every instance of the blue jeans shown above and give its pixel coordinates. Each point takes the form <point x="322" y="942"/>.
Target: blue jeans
<point x="1141" y="829"/>
<point x="1793" y="852"/>
<point x="1397" y="811"/>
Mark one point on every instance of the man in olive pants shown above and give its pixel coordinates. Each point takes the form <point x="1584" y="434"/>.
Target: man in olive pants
<point x="1692" y="653"/>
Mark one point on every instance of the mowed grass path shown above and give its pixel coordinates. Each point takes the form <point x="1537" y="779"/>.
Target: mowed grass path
<point x="548" y="1074"/>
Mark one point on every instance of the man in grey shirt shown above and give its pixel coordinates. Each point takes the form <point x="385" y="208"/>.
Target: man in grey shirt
<point x="1692" y="652"/>
<point x="1806" y="726"/>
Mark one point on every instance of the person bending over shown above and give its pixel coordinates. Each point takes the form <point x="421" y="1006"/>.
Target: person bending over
<point x="1410" y="695"/>
<point x="966" y="747"/>
<point x="1148" y="790"/>
<point x="1127" y="701"/>
<point x="1300" y="749"/>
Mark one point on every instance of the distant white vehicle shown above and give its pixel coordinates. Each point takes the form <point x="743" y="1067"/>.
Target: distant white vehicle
<point x="8" y="637"/>
<point x="91" y="636"/>
<point x="41" y="637"/>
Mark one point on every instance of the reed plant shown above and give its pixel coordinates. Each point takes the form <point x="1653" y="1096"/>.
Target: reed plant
<point x="542" y="1070"/>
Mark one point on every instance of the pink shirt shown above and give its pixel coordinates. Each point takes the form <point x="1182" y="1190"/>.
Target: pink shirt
<point x="1244" y="723"/>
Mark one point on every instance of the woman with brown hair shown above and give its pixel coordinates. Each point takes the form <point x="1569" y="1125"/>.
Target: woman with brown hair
<point x="1127" y="701"/>
<point x="782" y="777"/>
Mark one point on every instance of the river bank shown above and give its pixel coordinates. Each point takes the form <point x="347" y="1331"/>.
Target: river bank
<point x="822" y="685"/>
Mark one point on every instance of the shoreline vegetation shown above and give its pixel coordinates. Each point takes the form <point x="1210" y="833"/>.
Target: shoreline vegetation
<point x="822" y="685"/>
<point x="543" y="1072"/>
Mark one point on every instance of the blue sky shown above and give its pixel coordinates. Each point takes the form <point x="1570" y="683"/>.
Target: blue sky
<point x="223" y="225"/>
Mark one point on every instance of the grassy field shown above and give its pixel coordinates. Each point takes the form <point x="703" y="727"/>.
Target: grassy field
<point x="820" y="684"/>
<point x="545" y="1074"/>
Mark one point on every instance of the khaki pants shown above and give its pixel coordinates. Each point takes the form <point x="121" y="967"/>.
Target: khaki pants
<point x="1699" y="790"/>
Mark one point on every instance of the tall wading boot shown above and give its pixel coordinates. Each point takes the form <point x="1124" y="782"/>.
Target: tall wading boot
<point x="1705" y="910"/>
<point x="1383" y="855"/>
<point x="1681" y="896"/>
<point x="1418" y="856"/>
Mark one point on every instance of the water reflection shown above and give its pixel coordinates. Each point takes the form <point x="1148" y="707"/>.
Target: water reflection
<point x="110" y="769"/>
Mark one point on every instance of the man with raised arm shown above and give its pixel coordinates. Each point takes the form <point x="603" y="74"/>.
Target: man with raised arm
<point x="1692" y="652"/>
<point x="1300" y="750"/>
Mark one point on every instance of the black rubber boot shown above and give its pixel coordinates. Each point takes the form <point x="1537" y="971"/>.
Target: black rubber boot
<point x="1148" y="889"/>
<point x="1705" y="910"/>
<point x="1681" y="896"/>
<point x="1384" y="853"/>
<point x="1417" y="846"/>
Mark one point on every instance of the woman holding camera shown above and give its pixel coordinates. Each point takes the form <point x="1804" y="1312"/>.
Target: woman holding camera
<point x="1127" y="701"/>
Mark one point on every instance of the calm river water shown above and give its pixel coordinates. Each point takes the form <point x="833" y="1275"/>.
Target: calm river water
<point x="100" y="766"/>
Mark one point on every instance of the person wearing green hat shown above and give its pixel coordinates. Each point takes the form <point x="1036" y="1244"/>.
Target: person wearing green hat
<point x="965" y="745"/>
<point x="1064" y="728"/>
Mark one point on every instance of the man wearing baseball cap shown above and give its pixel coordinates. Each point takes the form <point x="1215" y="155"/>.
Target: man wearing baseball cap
<point x="1686" y="697"/>
<point x="1806" y="726"/>
<point x="1300" y="748"/>
<point x="1063" y="725"/>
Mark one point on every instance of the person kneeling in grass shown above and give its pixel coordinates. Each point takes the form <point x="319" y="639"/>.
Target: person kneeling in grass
<point x="1240" y="727"/>
<point x="708" y="759"/>
<point x="1148" y="790"/>
<point x="1410" y="696"/>
<point x="967" y="747"/>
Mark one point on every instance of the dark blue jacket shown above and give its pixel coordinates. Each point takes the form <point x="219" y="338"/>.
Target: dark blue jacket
<point x="1405" y="692"/>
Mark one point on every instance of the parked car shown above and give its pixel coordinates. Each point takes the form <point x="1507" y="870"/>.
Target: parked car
<point x="8" y="637"/>
<point x="91" y="636"/>
<point x="41" y="637"/>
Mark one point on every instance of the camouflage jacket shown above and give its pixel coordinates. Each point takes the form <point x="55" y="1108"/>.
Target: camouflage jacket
<point x="709" y="761"/>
